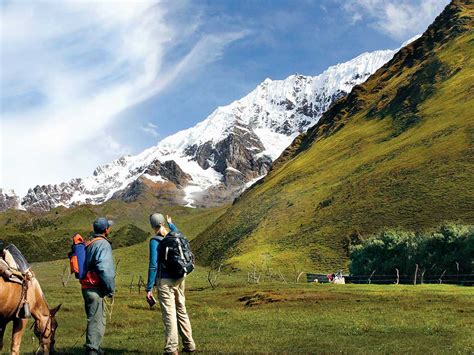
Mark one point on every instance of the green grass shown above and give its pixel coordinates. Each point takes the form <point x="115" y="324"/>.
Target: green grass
<point x="272" y="316"/>
<point x="47" y="236"/>
<point x="396" y="153"/>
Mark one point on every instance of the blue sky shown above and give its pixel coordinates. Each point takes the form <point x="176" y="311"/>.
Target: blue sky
<point x="84" y="82"/>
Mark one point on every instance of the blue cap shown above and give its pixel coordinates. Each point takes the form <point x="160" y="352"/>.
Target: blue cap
<point x="101" y="224"/>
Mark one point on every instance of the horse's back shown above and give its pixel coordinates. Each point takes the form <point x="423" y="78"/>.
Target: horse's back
<point x="9" y="296"/>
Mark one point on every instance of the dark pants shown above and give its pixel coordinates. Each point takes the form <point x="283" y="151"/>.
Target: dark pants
<point x="96" y="319"/>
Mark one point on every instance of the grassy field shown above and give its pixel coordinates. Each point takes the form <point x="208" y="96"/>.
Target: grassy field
<point x="271" y="317"/>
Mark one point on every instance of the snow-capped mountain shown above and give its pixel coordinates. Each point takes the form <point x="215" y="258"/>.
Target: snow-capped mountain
<point x="214" y="161"/>
<point x="8" y="200"/>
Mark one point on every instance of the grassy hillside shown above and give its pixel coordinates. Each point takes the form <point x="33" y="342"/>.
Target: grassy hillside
<point x="271" y="317"/>
<point x="46" y="236"/>
<point x="397" y="152"/>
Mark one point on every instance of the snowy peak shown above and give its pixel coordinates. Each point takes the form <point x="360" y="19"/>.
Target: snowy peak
<point x="214" y="161"/>
<point x="8" y="200"/>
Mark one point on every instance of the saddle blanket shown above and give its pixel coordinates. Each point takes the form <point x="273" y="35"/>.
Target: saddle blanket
<point x="13" y="265"/>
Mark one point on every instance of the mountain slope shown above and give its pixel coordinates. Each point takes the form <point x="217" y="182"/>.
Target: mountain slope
<point x="397" y="151"/>
<point x="47" y="236"/>
<point x="212" y="163"/>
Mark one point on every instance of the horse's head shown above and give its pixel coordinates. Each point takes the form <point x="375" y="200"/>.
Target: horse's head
<point x="45" y="330"/>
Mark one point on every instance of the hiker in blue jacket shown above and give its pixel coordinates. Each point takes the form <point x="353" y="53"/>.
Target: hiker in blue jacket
<point x="170" y="292"/>
<point x="98" y="283"/>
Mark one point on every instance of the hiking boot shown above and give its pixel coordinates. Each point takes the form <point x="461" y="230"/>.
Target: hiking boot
<point x="188" y="350"/>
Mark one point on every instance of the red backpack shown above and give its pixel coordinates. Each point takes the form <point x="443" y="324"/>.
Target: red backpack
<point x="77" y="261"/>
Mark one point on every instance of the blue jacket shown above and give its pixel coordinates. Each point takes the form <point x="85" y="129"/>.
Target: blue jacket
<point x="99" y="259"/>
<point x="153" y="272"/>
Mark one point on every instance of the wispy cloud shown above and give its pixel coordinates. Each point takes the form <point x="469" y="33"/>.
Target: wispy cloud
<point x="150" y="129"/>
<point x="112" y="147"/>
<point x="399" y="19"/>
<point x="69" y="68"/>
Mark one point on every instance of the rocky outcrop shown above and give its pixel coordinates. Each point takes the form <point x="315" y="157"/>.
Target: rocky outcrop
<point x="165" y="192"/>
<point x="238" y="157"/>
<point x="168" y="170"/>
<point x="8" y="200"/>
<point x="46" y="197"/>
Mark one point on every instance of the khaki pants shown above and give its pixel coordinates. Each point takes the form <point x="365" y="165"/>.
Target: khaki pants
<point x="175" y="317"/>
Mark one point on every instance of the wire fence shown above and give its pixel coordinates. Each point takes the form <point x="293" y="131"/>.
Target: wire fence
<point x="136" y="281"/>
<point x="454" y="279"/>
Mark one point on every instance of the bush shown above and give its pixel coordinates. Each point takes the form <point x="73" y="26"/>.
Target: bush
<point x="434" y="251"/>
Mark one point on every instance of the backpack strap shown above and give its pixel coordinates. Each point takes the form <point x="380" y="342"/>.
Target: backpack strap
<point x="159" y="239"/>
<point x="95" y="239"/>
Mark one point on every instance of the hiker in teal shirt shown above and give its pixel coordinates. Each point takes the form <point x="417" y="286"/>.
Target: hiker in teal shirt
<point x="153" y="264"/>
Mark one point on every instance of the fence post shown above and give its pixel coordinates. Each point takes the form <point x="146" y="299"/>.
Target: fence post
<point x="370" y="277"/>
<point x="298" y="278"/>
<point x="422" y="279"/>
<point x="141" y="284"/>
<point x="441" y="277"/>
<point x="131" y="283"/>
<point x="457" y="272"/>
<point x="398" y="276"/>
<point x="416" y="272"/>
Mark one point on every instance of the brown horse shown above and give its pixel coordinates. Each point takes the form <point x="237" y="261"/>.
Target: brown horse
<point x="45" y="322"/>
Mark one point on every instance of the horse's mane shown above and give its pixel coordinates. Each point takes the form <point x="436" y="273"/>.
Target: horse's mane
<point x="38" y="286"/>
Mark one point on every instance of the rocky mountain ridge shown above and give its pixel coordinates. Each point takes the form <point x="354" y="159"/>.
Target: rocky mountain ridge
<point x="8" y="200"/>
<point x="214" y="161"/>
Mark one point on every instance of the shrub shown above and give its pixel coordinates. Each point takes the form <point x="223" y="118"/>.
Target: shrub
<point x="434" y="251"/>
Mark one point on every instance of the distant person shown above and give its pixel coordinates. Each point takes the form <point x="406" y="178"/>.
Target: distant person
<point x="98" y="283"/>
<point x="170" y="291"/>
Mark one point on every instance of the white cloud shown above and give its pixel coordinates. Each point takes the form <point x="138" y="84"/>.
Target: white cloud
<point x="68" y="69"/>
<point x="111" y="147"/>
<point x="399" y="19"/>
<point x="356" y="17"/>
<point x="150" y="129"/>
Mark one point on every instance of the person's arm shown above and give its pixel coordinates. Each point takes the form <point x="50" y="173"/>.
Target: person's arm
<point x="173" y="228"/>
<point x="152" y="264"/>
<point x="105" y="267"/>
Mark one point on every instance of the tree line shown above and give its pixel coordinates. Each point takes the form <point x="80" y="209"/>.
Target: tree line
<point x="448" y="248"/>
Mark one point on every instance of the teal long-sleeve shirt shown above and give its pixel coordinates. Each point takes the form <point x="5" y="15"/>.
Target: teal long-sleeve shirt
<point x="99" y="258"/>
<point x="154" y="262"/>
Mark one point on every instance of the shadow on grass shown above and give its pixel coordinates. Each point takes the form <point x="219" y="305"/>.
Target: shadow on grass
<point x="81" y="350"/>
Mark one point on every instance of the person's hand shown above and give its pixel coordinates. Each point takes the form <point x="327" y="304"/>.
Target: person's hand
<point x="149" y="295"/>
<point x="168" y="219"/>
